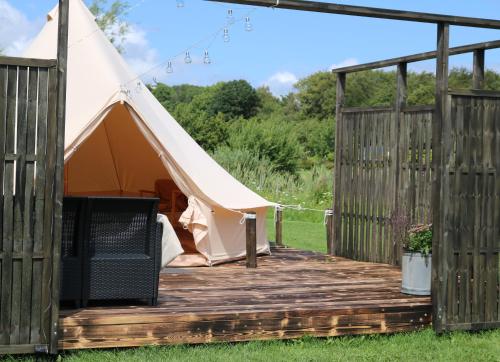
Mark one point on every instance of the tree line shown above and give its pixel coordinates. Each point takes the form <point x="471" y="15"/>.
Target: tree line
<point x="234" y="120"/>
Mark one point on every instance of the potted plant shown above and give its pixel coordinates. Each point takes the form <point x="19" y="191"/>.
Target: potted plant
<point x="416" y="262"/>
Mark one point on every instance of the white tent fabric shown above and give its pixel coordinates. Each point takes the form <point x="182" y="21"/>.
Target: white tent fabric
<point x="120" y="138"/>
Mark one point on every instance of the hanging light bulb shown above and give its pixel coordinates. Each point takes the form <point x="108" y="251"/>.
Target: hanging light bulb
<point x="206" y="58"/>
<point x="170" y="69"/>
<point x="226" y="35"/>
<point x="230" y="17"/>
<point x="248" y="24"/>
<point x="180" y="3"/>
<point x="187" y="58"/>
<point x="138" y="87"/>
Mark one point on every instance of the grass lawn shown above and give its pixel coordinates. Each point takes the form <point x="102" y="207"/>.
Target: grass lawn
<point x="301" y="234"/>
<point x="419" y="346"/>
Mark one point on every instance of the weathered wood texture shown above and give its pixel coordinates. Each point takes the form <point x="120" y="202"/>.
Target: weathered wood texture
<point x="251" y="239"/>
<point x="278" y="225"/>
<point x="292" y="293"/>
<point x="415" y="168"/>
<point x="369" y="12"/>
<point x="469" y="240"/>
<point x="384" y="179"/>
<point x="365" y="200"/>
<point x="477" y="48"/>
<point x="28" y="128"/>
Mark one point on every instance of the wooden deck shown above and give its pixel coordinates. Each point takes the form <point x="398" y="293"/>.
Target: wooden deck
<point x="291" y="294"/>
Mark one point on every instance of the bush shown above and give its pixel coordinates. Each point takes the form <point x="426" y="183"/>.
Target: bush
<point x="271" y="139"/>
<point x="420" y="239"/>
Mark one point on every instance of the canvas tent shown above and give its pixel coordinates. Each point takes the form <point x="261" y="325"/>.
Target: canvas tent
<point x="120" y="140"/>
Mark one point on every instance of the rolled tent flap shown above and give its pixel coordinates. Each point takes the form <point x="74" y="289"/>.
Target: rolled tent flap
<point x="119" y="139"/>
<point x="194" y="220"/>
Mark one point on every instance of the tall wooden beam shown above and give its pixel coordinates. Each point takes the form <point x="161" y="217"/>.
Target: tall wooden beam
<point x="251" y="239"/>
<point x="62" y="61"/>
<point x="331" y="8"/>
<point x="341" y="88"/>
<point x="439" y="260"/>
<point x="400" y="103"/>
<point x="478" y="70"/>
<point x="418" y="57"/>
<point x="278" y="226"/>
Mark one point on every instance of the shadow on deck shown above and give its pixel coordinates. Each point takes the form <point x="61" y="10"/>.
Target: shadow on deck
<point x="292" y="293"/>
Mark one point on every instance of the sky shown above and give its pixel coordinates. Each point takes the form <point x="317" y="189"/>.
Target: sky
<point x="283" y="46"/>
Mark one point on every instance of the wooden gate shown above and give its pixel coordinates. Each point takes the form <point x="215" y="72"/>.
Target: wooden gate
<point x="28" y="247"/>
<point x="466" y="261"/>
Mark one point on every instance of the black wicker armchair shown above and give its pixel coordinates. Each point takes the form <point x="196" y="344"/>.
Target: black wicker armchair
<point x="72" y="249"/>
<point x="121" y="249"/>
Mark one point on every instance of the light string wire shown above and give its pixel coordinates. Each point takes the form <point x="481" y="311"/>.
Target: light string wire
<point x="197" y="45"/>
<point x="279" y="207"/>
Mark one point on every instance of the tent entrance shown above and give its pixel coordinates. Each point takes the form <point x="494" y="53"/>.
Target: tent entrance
<point x="117" y="160"/>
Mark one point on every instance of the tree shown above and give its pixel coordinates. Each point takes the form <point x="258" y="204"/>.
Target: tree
<point x="171" y="96"/>
<point x="268" y="103"/>
<point x="208" y="132"/>
<point x="234" y="99"/>
<point x="111" y="20"/>
<point x="316" y="95"/>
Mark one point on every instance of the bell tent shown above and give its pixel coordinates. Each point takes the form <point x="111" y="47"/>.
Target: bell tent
<point x="120" y="141"/>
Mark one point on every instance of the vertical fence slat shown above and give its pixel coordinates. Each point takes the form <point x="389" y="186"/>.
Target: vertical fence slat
<point x="20" y="172"/>
<point x="8" y="212"/>
<point x="28" y="208"/>
<point x="488" y="162"/>
<point x="50" y="161"/>
<point x="3" y="136"/>
<point x="36" y="297"/>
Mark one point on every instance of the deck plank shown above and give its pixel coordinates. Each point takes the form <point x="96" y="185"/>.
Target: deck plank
<point x="292" y="293"/>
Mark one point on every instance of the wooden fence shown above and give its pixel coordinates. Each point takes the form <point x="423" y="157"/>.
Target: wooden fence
<point x="468" y="291"/>
<point x="384" y="181"/>
<point x="28" y="138"/>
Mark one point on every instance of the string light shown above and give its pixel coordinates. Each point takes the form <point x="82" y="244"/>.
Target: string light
<point x="226" y="35"/>
<point x="180" y="3"/>
<point x="248" y="24"/>
<point x="187" y="56"/>
<point x="206" y="58"/>
<point x="138" y="87"/>
<point x="170" y="69"/>
<point x="230" y="17"/>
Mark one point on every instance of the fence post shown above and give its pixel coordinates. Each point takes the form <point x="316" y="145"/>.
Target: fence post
<point x="399" y="152"/>
<point x="341" y="88"/>
<point x="478" y="69"/>
<point x="278" y="225"/>
<point x="329" y="231"/>
<point x="251" y="236"/>
<point x="58" y="188"/>
<point x="439" y="255"/>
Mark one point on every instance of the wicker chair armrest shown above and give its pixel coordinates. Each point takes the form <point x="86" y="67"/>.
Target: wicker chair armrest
<point x="157" y="256"/>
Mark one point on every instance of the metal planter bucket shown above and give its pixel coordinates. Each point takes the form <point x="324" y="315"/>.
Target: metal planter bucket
<point x="416" y="270"/>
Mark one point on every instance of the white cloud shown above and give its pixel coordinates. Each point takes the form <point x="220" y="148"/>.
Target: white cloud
<point x="138" y="52"/>
<point x="16" y="30"/>
<point x="281" y="83"/>
<point x="345" y="63"/>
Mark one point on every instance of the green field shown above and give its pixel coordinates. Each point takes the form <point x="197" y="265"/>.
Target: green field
<point x="420" y="346"/>
<point x="301" y="234"/>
